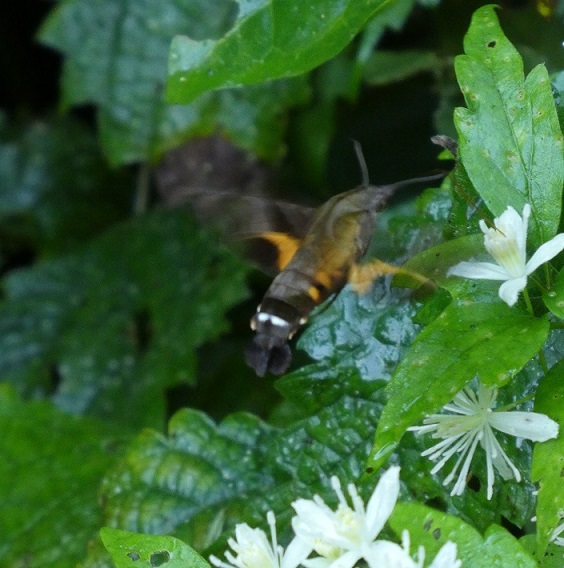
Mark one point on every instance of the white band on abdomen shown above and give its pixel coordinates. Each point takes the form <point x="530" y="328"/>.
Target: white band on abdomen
<point x="274" y="320"/>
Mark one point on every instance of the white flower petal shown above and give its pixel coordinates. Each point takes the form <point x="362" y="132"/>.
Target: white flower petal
<point x="382" y="501"/>
<point x="509" y="290"/>
<point x="531" y="425"/>
<point x="522" y="233"/>
<point x="511" y="221"/>
<point x="460" y="433"/>
<point x="502" y="463"/>
<point x="446" y="557"/>
<point x="250" y="549"/>
<point x="506" y="242"/>
<point x="556" y="538"/>
<point x="314" y="520"/>
<point x="296" y="552"/>
<point x="478" y="271"/>
<point x="546" y="252"/>
<point x="347" y="560"/>
<point x="385" y="554"/>
<point x="460" y="484"/>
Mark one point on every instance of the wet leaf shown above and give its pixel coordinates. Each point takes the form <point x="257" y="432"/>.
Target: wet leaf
<point x="432" y="529"/>
<point x="271" y="40"/>
<point x="449" y="353"/>
<point x="55" y="194"/>
<point x="51" y="467"/>
<point x="148" y="551"/>
<point x="106" y="330"/>
<point x="116" y="59"/>
<point x="548" y="457"/>
<point x="509" y="138"/>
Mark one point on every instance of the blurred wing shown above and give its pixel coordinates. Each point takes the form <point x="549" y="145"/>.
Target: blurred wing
<point x="228" y="190"/>
<point x="272" y="251"/>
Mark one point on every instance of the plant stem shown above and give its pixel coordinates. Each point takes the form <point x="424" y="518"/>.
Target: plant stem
<point x="542" y="361"/>
<point x="142" y="189"/>
<point x="516" y="403"/>
<point x="528" y="301"/>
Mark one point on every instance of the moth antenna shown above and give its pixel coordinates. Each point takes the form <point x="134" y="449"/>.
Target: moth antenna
<point x="361" y="162"/>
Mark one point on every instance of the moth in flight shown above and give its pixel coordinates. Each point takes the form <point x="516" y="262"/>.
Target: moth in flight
<point x="316" y="267"/>
<point x="317" y="250"/>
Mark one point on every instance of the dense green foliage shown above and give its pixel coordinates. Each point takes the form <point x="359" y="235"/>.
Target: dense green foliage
<point x="132" y="434"/>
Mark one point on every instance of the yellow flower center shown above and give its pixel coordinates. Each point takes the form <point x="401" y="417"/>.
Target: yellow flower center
<point x="502" y="244"/>
<point x="253" y="555"/>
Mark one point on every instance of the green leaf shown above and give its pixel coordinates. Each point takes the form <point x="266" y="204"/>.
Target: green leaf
<point x="554" y="297"/>
<point x="432" y="529"/>
<point x="446" y="355"/>
<point x="553" y="557"/>
<point x="336" y="438"/>
<point x="391" y="15"/>
<point x="387" y="66"/>
<point x="51" y="467"/>
<point x="313" y="127"/>
<point x="119" y="64"/>
<point x="548" y="457"/>
<point x="202" y="478"/>
<point x="509" y="137"/>
<point x="165" y="481"/>
<point x="108" y="329"/>
<point x="148" y="551"/>
<point x="502" y="548"/>
<point x="371" y="332"/>
<point x="558" y="88"/>
<point x="55" y="190"/>
<point x="268" y="40"/>
<point x="434" y="263"/>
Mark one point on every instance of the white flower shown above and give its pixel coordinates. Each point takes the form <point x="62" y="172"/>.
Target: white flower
<point x="344" y="536"/>
<point x="391" y="555"/>
<point x="253" y="550"/>
<point x="446" y="557"/>
<point x="507" y="243"/>
<point x="472" y="422"/>
<point x="556" y="538"/>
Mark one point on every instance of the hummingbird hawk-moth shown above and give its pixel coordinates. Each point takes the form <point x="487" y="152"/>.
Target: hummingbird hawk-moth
<point x="317" y="250"/>
<point x="315" y="268"/>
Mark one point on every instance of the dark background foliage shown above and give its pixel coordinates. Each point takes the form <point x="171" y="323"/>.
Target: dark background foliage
<point x="120" y="307"/>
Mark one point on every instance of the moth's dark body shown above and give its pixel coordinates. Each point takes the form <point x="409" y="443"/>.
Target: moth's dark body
<point x="336" y="240"/>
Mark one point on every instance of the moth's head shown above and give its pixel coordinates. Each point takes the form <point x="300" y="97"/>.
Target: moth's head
<point x="269" y="349"/>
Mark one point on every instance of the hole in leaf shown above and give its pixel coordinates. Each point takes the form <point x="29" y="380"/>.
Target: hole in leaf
<point x="437" y="503"/>
<point x="55" y="378"/>
<point x="134" y="556"/>
<point x="492" y="43"/>
<point x="369" y="470"/>
<point x="473" y="483"/>
<point x="142" y="331"/>
<point x="17" y="251"/>
<point x="159" y="558"/>
<point x="427" y="525"/>
<point x="437" y="534"/>
<point x="513" y="529"/>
